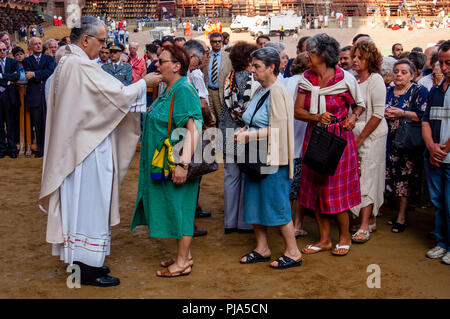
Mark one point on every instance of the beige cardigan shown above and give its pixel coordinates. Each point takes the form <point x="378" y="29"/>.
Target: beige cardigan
<point x="281" y="128"/>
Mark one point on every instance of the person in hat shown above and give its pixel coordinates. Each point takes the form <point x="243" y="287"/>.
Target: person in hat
<point x="119" y="70"/>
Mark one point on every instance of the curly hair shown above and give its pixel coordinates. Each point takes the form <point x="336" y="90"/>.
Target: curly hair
<point x="240" y="55"/>
<point x="324" y="47"/>
<point x="300" y="64"/>
<point x="370" y="53"/>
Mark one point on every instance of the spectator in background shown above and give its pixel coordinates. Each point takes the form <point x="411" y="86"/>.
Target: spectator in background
<point x="180" y="41"/>
<point x="300" y="49"/>
<point x="434" y="78"/>
<point x="404" y="100"/>
<point x="41" y="31"/>
<point x="151" y="51"/>
<point x="301" y="46"/>
<point x="4" y="37"/>
<point x="418" y="59"/>
<point x="38" y="67"/>
<point x="226" y="42"/>
<point x="281" y="49"/>
<point x="218" y="68"/>
<point x="103" y="55"/>
<point x="238" y="89"/>
<point x="119" y="70"/>
<point x="52" y="47"/>
<point x="125" y="58"/>
<point x="19" y="55"/>
<point x="397" y="50"/>
<point x="360" y="36"/>
<point x="167" y="40"/>
<point x="429" y="53"/>
<point x="158" y="43"/>
<point x="261" y="41"/>
<point x="370" y="136"/>
<point x="436" y="134"/>
<point x="66" y="40"/>
<point x="299" y="65"/>
<point x="121" y="35"/>
<point x="137" y="63"/>
<point x="417" y="49"/>
<point x="9" y="72"/>
<point x="345" y="60"/>
<point x="387" y="70"/>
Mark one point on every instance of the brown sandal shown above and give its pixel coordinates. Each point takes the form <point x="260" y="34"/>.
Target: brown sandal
<point x="171" y="261"/>
<point x="167" y="274"/>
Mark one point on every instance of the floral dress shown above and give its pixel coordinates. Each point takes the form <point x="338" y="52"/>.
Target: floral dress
<point x="403" y="168"/>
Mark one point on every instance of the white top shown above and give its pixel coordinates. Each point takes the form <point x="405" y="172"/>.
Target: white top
<point x="426" y="81"/>
<point x="291" y="84"/>
<point x="198" y="82"/>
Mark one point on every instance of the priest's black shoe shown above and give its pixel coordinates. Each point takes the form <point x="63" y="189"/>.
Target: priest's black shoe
<point x="105" y="270"/>
<point x="2" y="155"/>
<point x="201" y="213"/>
<point x="103" y="281"/>
<point x="13" y="155"/>
<point x="38" y="155"/>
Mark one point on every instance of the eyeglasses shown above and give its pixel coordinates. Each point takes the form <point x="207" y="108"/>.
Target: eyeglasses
<point x="99" y="40"/>
<point x="215" y="41"/>
<point x="160" y="61"/>
<point x="3" y="49"/>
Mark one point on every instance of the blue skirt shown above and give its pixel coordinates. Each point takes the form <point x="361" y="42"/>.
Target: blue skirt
<point x="266" y="201"/>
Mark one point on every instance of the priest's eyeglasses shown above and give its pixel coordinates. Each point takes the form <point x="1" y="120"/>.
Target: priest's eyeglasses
<point x="99" y="40"/>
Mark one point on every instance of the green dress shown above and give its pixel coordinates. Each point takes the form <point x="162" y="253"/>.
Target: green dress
<point x="167" y="209"/>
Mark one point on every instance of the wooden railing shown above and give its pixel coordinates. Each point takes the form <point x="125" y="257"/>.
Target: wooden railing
<point x="25" y="143"/>
<point x="25" y="124"/>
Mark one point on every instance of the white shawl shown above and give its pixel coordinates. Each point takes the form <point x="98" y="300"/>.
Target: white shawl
<point x="318" y="103"/>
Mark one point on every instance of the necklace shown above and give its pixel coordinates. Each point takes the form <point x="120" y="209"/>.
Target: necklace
<point x="404" y="90"/>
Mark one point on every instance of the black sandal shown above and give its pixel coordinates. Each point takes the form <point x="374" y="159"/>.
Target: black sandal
<point x="285" y="262"/>
<point x="254" y="257"/>
<point x="400" y="227"/>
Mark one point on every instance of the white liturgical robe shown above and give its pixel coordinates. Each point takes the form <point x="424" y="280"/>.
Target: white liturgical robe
<point x="91" y="139"/>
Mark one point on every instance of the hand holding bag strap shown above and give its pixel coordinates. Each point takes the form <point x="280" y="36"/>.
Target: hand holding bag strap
<point x="169" y="126"/>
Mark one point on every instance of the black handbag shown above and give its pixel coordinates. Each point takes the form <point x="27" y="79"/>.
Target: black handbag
<point x="324" y="149"/>
<point x="409" y="134"/>
<point x="200" y="165"/>
<point x="255" y="152"/>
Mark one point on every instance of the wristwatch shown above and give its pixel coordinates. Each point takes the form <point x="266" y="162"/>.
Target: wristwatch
<point x="184" y="166"/>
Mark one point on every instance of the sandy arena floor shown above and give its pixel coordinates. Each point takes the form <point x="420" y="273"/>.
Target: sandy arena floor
<point x="27" y="269"/>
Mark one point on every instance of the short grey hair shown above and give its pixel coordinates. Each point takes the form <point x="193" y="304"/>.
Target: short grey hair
<point x="387" y="66"/>
<point x="50" y="41"/>
<point x="411" y="67"/>
<point x="86" y="25"/>
<point x="269" y="56"/>
<point x="279" y="46"/>
<point x="194" y="47"/>
<point x="325" y="47"/>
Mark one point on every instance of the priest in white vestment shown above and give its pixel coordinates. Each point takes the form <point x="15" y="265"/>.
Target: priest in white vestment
<point x="91" y="139"/>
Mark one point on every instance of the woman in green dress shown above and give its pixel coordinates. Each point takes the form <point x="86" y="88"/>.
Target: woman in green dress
<point x="168" y="207"/>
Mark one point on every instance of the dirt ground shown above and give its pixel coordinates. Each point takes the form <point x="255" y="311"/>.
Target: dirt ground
<point x="27" y="269"/>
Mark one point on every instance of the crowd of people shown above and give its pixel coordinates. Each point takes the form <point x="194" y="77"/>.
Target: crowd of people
<point x="389" y="110"/>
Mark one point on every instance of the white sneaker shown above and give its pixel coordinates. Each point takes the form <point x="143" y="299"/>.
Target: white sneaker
<point x="446" y="259"/>
<point x="436" y="252"/>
